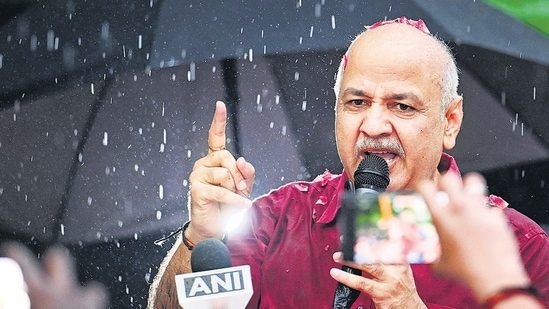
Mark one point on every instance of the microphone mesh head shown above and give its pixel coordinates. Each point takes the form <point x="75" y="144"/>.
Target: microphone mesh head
<point x="210" y="254"/>
<point x="372" y="171"/>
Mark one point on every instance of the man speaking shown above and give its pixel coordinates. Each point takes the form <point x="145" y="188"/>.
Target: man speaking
<point x="396" y="97"/>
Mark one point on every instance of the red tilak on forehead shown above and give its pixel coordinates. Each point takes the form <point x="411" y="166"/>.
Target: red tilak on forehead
<point x="418" y="24"/>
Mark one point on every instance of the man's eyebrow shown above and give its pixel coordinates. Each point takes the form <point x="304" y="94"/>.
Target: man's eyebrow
<point x="395" y="96"/>
<point x="355" y="92"/>
<point x="404" y="96"/>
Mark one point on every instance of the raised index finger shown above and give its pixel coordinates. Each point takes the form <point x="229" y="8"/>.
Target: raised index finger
<point x="216" y="135"/>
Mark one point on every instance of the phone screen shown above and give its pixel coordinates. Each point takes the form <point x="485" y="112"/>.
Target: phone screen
<point x="389" y="228"/>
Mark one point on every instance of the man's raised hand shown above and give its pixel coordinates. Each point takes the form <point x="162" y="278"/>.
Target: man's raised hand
<point x="220" y="184"/>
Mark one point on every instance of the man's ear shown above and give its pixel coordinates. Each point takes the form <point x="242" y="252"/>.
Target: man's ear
<point x="453" y="119"/>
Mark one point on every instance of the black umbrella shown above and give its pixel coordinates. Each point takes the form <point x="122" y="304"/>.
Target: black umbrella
<point x="105" y="104"/>
<point x="103" y="137"/>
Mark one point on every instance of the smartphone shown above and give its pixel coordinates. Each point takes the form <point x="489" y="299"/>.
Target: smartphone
<point x="388" y="228"/>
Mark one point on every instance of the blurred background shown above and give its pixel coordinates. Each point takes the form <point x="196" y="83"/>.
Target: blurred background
<point x="105" y="106"/>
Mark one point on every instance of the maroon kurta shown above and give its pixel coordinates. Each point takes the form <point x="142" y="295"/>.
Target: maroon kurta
<point x="294" y="236"/>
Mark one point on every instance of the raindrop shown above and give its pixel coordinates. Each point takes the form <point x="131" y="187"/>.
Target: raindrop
<point x="271" y="125"/>
<point x="185" y="183"/>
<point x="161" y="150"/>
<point x="135" y="236"/>
<point x="318" y="10"/>
<point x="188" y="153"/>
<point x="119" y="278"/>
<point x="105" y="139"/>
<point x="191" y="75"/>
<point x="503" y="98"/>
<point x="62" y="229"/>
<point x="107" y="170"/>
<point x="17" y="106"/>
<point x="516" y="118"/>
<point x="158" y="215"/>
<point x="140" y="41"/>
<point x="2" y="191"/>
<point x="160" y="195"/>
<point x="164" y="137"/>
<point x="90" y="200"/>
<point x="283" y="130"/>
<point x="105" y="30"/>
<point x="296" y="76"/>
<point x="333" y="22"/>
<point x="277" y="99"/>
<point x="92" y="88"/>
<point x="173" y="77"/>
<point x="304" y="105"/>
<point x="50" y="42"/>
<point x="120" y="223"/>
<point x="147" y="277"/>
<point x="468" y="29"/>
<point x="136" y="167"/>
<point x="80" y="157"/>
<point x="311" y="31"/>
<point x="33" y="42"/>
<point x="251" y="54"/>
<point x="1" y="60"/>
<point x="534" y="93"/>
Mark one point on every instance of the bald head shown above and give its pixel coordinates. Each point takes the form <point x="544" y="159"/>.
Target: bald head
<point x="401" y="46"/>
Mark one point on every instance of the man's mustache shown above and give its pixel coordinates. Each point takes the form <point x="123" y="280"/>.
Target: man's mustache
<point x="385" y="143"/>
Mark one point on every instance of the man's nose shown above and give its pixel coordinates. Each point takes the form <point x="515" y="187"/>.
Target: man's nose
<point x="376" y="121"/>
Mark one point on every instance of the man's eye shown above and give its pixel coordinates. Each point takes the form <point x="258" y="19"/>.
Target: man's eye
<point x="404" y="107"/>
<point x="357" y="102"/>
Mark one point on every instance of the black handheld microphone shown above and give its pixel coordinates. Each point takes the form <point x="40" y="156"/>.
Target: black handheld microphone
<point x="214" y="282"/>
<point x="371" y="176"/>
<point x="210" y="254"/>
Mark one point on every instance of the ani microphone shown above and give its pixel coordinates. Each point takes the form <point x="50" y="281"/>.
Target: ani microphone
<point x="214" y="283"/>
<point x="371" y="177"/>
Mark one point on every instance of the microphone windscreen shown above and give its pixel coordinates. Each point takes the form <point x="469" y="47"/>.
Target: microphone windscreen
<point x="210" y="254"/>
<point x="372" y="171"/>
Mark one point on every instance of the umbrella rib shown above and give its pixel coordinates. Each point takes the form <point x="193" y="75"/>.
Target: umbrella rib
<point x="60" y="216"/>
